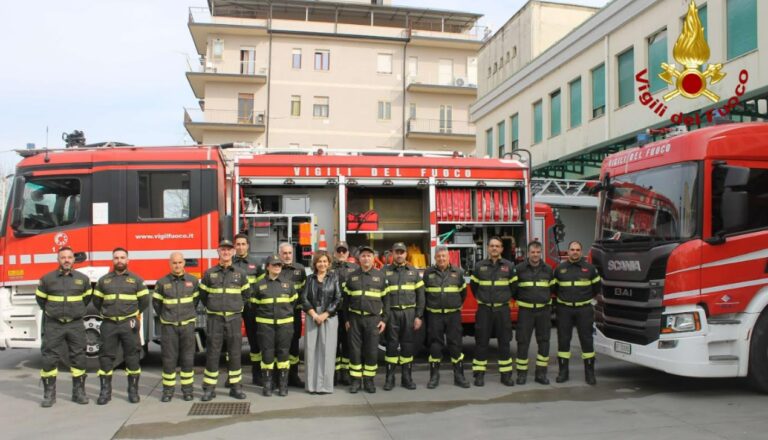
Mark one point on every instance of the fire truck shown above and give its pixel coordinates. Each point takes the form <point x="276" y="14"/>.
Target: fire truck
<point x="682" y="246"/>
<point x="154" y="200"/>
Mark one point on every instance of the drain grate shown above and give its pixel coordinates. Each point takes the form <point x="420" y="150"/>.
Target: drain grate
<point x="220" y="409"/>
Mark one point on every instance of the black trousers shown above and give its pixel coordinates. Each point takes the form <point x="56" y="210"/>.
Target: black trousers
<point x="223" y="330"/>
<point x="116" y="334"/>
<point x="363" y="345"/>
<point x="400" y="336"/>
<point x="59" y="337"/>
<point x="580" y="317"/>
<point x="294" y="350"/>
<point x="249" y="319"/>
<point x="489" y="320"/>
<point x="275" y="342"/>
<point x="444" y="329"/>
<point x="342" y="346"/>
<point x="528" y="320"/>
<point x="177" y="344"/>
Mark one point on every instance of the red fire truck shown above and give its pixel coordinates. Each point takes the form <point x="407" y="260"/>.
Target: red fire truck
<point x="154" y="200"/>
<point x="682" y="246"/>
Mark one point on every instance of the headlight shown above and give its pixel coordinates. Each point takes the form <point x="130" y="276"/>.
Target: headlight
<point x="680" y="322"/>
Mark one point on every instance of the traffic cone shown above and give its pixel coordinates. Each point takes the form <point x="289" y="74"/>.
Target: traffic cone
<point x="321" y="243"/>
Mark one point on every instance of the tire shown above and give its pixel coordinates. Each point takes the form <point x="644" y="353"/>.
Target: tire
<point x="758" y="354"/>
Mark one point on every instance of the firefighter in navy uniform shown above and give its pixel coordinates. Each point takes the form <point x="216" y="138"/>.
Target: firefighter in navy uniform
<point x="405" y="291"/>
<point x="491" y="282"/>
<point x="224" y="290"/>
<point x="343" y="268"/>
<point x="120" y="296"/>
<point x="295" y="273"/>
<point x="366" y="304"/>
<point x="576" y="283"/>
<point x="274" y="300"/>
<point x="532" y="292"/>
<point x="175" y="302"/>
<point x="63" y="296"/>
<point x="445" y="293"/>
<point x="242" y="261"/>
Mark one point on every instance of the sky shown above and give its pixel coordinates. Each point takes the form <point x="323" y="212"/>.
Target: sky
<point x="115" y="68"/>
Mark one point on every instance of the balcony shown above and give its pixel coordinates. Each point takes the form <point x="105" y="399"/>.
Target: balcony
<point x="218" y="72"/>
<point x="450" y="130"/>
<point x="443" y="86"/>
<point x="197" y="121"/>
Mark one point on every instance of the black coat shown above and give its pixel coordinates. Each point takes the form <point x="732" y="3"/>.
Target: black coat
<point x="322" y="297"/>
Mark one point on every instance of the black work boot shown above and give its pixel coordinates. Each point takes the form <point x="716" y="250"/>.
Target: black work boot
<point x="133" y="388"/>
<point x="345" y="378"/>
<point x="389" y="381"/>
<point x="562" y="374"/>
<point x="507" y="380"/>
<point x="266" y="389"/>
<point x="407" y="378"/>
<point x="434" y="375"/>
<point x="479" y="378"/>
<point x="283" y="381"/>
<point x="368" y="385"/>
<point x="209" y="393"/>
<point x="49" y="392"/>
<point x="354" y="387"/>
<point x="187" y="392"/>
<point x="105" y="393"/>
<point x="256" y="376"/>
<point x="236" y="391"/>
<point x="540" y="376"/>
<point x="458" y="375"/>
<point x="522" y="377"/>
<point x="293" y="378"/>
<point x="167" y="394"/>
<point x="78" y="390"/>
<point x="589" y="371"/>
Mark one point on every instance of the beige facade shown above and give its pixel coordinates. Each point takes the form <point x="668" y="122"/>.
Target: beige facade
<point x="334" y="75"/>
<point x="606" y="39"/>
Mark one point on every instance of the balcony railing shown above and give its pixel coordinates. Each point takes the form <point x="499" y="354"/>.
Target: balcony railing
<point x="243" y="117"/>
<point x="445" y="127"/>
<point x="205" y="65"/>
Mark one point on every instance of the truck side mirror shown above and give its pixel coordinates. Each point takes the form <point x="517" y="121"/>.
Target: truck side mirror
<point x="18" y="193"/>
<point x="16" y="217"/>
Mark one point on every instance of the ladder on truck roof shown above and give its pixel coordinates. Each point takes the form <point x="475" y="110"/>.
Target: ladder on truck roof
<point x="564" y="192"/>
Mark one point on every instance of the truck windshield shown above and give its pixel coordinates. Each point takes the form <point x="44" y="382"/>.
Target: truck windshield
<point x="658" y="204"/>
<point x="49" y="203"/>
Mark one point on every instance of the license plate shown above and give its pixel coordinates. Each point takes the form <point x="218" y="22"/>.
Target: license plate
<point x="622" y="347"/>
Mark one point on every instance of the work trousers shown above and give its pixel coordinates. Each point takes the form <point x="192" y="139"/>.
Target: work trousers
<point x="177" y="344"/>
<point x="363" y="345"/>
<point x="582" y="318"/>
<point x="116" y="334"/>
<point x="223" y="331"/>
<point x="528" y="320"/>
<point x="490" y="320"/>
<point x="249" y="319"/>
<point x="275" y="342"/>
<point x="444" y="330"/>
<point x="342" y="347"/>
<point x="58" y="337"/>
<point x="400" y="336"/>
<point x="294" y="349"/>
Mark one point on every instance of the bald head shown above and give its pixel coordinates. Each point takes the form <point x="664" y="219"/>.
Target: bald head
<point x="177" y="263"/>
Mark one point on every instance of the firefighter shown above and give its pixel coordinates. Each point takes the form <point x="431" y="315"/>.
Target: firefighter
<point x="274" y="300"/>
<point x="366" y="302"/>
<point x="224" y="289"/>
<point x="445" y="292"/>
<point x="491" y="282"/>
<point x="295" y="273"/>
<point x="343" y="267"/>
<point x="576" y="283"/>
<point x="63" y="295"/>
<point x="532" y="292"/>
<point x="405" y="291"/>
<point x="254" y="271"/>
<point x="120" y="296"/>
<point x="175" y="301"/>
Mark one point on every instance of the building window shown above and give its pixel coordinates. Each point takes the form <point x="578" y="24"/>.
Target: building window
<point x="245" y="108"/>
<point x="574" y="90"/>
<point x="296" y="58"/>
<point x="598" y="91"/>
<point x="508" y="57"/>
<point x="495" y="67"/>
<point x="322" y="60"/>
<point x="385" y="110"/>
<point x="489" y="142"/>
<point x="657" y="54"/>
<point x="384" y="63"/>
<point x="501" y="136"/>
<point x="554" y="114"/>
<point x="163" y="195"/>
<point x="295" y="105"/>
<point x="446" y="119"/>
<point x="538" y="124"/>
<point x="514" y="132"/>
<point x="247" y="61"/>
<point x="445" y="72"/>
<point x="412" y="111"/>
<point x="489" y="71"/>
<point x="218" y="48"/>
<point x="626" y="63"/>
<point x="514" y="51"/>
<point x="413" y="67"/>
<point x="742" y="26"/>
<point x="320" y="108"/>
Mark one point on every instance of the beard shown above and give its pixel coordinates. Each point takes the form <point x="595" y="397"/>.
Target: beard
<point x="120" y="267"/>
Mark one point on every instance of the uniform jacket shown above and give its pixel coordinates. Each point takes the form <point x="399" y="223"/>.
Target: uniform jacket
<point x="534" y="283"/>
<point x="274" y="300"/>
<point x="405" y="288"/>
<point x="576" y="282"/>
<point x="296" y="274"/>
<point x="445" y="289"/>
<point x="253" y="270"/>
<point x="366" y="293"/>
<point x="63" y="296"/>
<point x="224" y="290"/>
<point x="492" y="282"/>
<point x="175" y="299"/>
<point x="119" y="296"/>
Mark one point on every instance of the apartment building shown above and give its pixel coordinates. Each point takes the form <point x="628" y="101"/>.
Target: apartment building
<point x="333" y="74"/>
<point x="580" y="99"/>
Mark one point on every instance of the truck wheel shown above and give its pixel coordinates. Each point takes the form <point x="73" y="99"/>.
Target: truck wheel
<point x="758" y="354"/>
